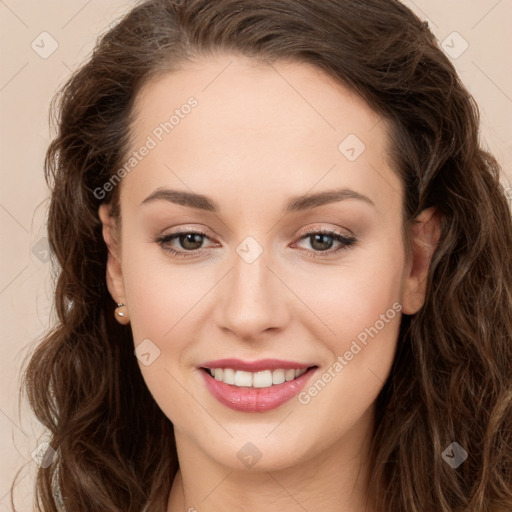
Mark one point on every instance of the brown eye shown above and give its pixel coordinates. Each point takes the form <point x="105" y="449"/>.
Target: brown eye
<point x="190" y="241"/>
<point x="322" y="241"/>
<point x="183" y="244"/>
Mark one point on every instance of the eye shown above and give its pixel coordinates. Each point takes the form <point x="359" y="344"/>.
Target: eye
<point x="322" y="241"/>
<point x="189" y="242"/>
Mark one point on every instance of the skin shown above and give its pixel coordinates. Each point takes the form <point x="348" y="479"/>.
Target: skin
<point x="259" y="135"/>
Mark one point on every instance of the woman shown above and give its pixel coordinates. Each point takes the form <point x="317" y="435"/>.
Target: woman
<point x="284" y="269"/>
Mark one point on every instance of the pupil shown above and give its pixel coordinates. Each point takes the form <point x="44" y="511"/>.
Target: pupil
<point x="323" y="246"/>
<point x="194" y="238"/>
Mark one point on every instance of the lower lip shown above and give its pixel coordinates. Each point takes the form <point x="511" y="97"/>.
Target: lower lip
<point x="255" y="399"/>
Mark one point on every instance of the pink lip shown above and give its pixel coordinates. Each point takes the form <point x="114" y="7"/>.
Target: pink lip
<point x="249" y="399"/>
<point x="254" y="366"/>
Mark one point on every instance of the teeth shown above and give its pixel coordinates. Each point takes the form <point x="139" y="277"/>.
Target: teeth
<point x="263" y="379"/>
<point x="278" y="376"/>
<point x="289" y="375"/>
<point x="243" y="378"/>
<point x="228" y="376"/>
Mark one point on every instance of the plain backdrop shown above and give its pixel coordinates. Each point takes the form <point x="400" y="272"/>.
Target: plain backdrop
<point x="42" y="42"/>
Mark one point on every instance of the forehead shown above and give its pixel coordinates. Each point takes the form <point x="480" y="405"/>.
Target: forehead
<point x="263" y="127"/>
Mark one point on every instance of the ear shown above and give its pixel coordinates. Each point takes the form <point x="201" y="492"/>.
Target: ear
<point x="114" y="274"/>
<point x="425" y="233"/>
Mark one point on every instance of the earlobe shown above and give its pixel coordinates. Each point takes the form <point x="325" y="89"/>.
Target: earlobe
<point x="425" y="234"/>
<point x="114" y="276"/>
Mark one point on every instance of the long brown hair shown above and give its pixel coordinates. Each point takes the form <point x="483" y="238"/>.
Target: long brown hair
<point x="451" y="380"/>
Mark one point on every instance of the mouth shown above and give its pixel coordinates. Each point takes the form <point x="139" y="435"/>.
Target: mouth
<point x="255" y="391"/>
<point x="260" y="379"/>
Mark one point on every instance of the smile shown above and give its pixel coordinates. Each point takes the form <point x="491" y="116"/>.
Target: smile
<point x="261" y="379"/>
<point x="257" y="386"/>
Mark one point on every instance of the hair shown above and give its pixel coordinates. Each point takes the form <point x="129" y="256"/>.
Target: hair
<point x="451" y="379"/>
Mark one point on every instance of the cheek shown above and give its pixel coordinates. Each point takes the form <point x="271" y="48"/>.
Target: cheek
<point x="159" y="293"/>
<point x="161" y="299"/>
<point x="361" y="305"/>
<point x="352" y="296"/>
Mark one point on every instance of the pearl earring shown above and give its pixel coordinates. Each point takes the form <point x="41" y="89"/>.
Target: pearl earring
<point x="122" y="314"/>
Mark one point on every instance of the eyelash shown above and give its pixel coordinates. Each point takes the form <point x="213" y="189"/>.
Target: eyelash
<point x="345" y="240"/>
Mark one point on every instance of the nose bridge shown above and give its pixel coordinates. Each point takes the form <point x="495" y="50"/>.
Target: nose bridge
<point x="252" y="300"/>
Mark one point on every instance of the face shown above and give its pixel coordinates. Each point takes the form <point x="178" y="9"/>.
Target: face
<point x="262" y="225"/>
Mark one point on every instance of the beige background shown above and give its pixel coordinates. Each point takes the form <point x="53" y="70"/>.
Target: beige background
<point x="27" y="83"/>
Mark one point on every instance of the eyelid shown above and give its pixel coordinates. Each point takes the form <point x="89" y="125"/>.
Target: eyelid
<point x="181" y="229"/>
<point x="323" y="229"/>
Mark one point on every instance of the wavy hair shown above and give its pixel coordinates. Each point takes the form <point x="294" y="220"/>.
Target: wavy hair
<point x="451" y="379"/>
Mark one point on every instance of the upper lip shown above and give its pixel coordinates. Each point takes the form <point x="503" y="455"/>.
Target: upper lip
<point x="255" y="366"/>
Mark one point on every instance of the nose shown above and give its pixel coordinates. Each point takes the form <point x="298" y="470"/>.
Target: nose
<point x="252" y="300"/>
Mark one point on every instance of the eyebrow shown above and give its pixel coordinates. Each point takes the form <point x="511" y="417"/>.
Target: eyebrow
<point x="295" y="204"/>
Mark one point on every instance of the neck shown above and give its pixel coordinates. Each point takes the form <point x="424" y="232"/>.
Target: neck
<point x="334" y="479"/>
